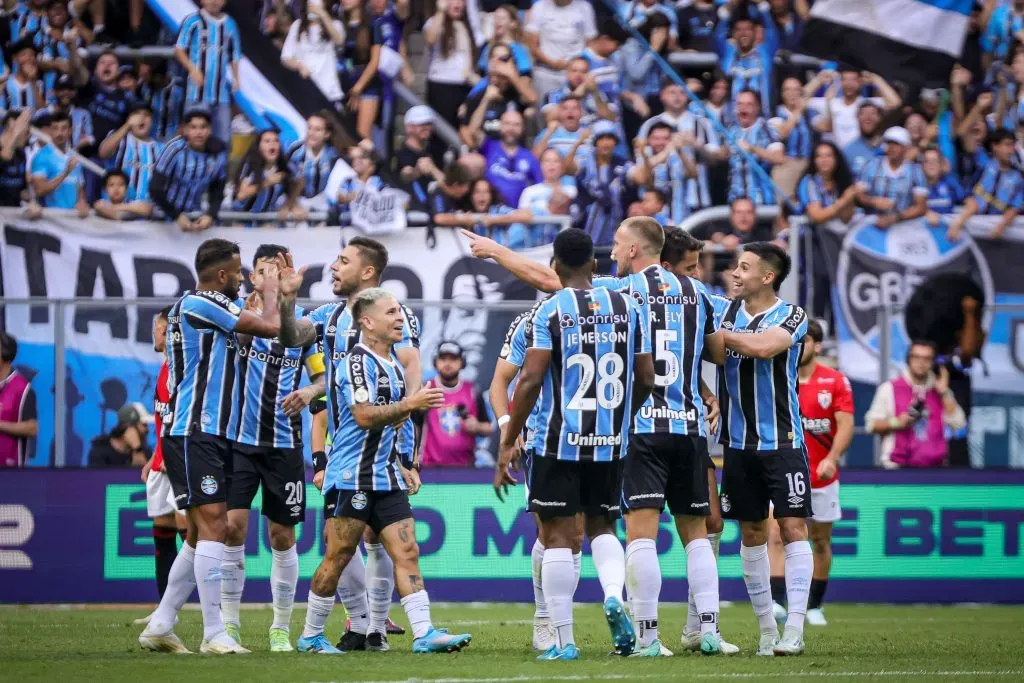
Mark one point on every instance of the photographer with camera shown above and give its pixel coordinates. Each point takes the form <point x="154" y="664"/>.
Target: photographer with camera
<point x="125" y="445"/>
<point x="450" y="432"/>
<point x="912" y="413"/>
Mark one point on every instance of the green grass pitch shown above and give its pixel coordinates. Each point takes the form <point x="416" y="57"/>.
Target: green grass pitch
<point x="884" y="643"/>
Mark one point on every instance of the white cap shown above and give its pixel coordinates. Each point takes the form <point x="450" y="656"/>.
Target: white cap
<point x="897" y="134"/>
<point x="419" y="115"/>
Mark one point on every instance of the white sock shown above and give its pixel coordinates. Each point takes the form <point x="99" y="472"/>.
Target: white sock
<point x="715" y="540"/>
<point x="352" y="593"/>
<point x="380" y="573"/>
<point x="209" y="555"/>
<point x="757" y="575"/>
<point x="318" y="608"/>
<point x="799" y="567"/>
<point x="232" y="583"/>
<point x="181" y="581"/>
<point x="540" y="605"/>
<point x="692" y="617"/>
<point x="702" y="575"/>
<point x="557" y="577"/>
<point x="417" y="610"/>
<point x="577" y="567"/>
<point x="643" y="588"/>
<point x="284" y="575"/>
<point x="610" y="562"/>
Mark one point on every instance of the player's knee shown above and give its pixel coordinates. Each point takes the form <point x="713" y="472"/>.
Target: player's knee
<point x="793" y="529"/>
<point x="714" y="524"/>
<point x="281" y="537"/>
<point x="370" y="536"/>
<point x="753" y="535"/>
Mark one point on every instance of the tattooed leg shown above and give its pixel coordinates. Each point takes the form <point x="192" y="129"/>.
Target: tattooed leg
<point x="400" y="542"/>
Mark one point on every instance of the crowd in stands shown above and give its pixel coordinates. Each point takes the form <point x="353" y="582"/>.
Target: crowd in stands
<point x="561" y="108"/>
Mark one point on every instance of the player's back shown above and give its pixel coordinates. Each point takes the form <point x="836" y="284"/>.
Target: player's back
<point x="762" y="409"/>
<point x="364" y="459"/>
<point x="680" y="314"/>
<point x="201" y="363"/>
<point x="593" y="336"/>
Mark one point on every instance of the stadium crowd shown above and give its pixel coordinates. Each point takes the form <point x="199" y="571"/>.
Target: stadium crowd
<point x="561" y="108"/>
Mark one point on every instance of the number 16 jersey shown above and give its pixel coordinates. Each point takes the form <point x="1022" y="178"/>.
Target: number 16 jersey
<point x="593" y="336"/>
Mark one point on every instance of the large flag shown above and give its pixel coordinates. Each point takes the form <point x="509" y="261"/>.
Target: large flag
<point x="915" y="42"/>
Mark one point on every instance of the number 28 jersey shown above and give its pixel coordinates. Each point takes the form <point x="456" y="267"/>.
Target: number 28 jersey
<point x="593" y="336"/>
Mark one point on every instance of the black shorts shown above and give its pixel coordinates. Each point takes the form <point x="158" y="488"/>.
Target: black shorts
<point x="199" y="467"/>
<point x="666" y="468"/>
<point x="379" y="509"/>
<point x="564" y="488"/>
<point x="752" y="479"/>
<point x="282" y="473"/>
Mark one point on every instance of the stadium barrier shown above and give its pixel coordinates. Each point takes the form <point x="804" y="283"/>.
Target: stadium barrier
<point x="939" y="536"/>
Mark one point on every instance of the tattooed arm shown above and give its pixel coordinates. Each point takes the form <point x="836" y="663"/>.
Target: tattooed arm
<point x="370" y="416"/>
<point x="294" y="332"/>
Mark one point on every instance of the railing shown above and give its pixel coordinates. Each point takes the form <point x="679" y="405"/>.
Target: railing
<point x="710" y="59"/>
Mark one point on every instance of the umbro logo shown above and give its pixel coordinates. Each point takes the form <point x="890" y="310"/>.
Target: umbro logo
<point x="296" y="509"/>
<point x="795" y="501"/>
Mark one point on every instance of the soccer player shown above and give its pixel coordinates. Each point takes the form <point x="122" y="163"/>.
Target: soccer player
<point x="160" y="503"/>
<point x="826" y="408"/>
<point x="668" y="458"/>
<point x="359" y="266"/>
<point x="267" y="454"/>
<point x="764" y="460"/>
<point x="364" y="483"/>
<point x="506" y="370"/>
<point x="197" y="451"/>
<point x="588" y="349"/>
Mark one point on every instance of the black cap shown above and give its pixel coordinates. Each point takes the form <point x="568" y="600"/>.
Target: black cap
<point x="127" y="70"/>
<point x="449" y="348"/>
<point x="197" y="110"/>
<point x="65" y="83"/>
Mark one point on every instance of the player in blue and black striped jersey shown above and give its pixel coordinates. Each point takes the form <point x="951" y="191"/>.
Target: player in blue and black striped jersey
<point x="201" y="351"/>
<point x="358" y="267"/>
<point x="668" y="452"/>
<point x="506" y="370"/>
<point x="590" y="346"/>
<point x="765" y="461"/>
<point x="267" y="454"/>
<point x="364" y="484"/>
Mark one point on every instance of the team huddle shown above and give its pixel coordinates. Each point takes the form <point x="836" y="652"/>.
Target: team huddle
<point x="599" y="398"/>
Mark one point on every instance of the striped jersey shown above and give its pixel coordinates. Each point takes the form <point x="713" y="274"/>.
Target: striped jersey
<point x="752" y="71"/>
<point x="998" y="190"/>
<point x="189" y="172"/>
<point x="813" y="190"/>
<point x="137" y="158"/>
<point x="744" y="179"/>
<point x="18" y="95"/>
<point x="212" y="44"/>
<point x="593" y="336"/>
<point x="698" y="191"/>
<point x="801" y="138"/>
<point x="760" y="406"/>
<point x="364" y="459"/>
<point x="267" y="372"/>
<point x="266" y="198"/>
<point x="681" y="314"/>
<point x="201" y="355"/>
<point x="313" y="169"/>
<point x="901" y="184"/>
<point x="337" y="336"/>
<point x="513" y="351"/>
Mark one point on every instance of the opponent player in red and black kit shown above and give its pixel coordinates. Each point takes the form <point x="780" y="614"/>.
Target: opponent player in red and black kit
<point x="826" y="408"/>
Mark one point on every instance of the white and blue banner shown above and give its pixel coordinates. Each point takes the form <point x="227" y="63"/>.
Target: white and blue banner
<point x="109" y="357"/>
<point x="914" y="42"/>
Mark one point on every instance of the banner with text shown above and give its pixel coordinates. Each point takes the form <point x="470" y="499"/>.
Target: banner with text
<point x="109" y="355"/>
<point x="905" y="537"/>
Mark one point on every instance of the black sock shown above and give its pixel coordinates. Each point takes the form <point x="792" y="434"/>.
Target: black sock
<point x="779" y="589"/>
<point x="816" y="596"/>
<point x="165" y="547"/>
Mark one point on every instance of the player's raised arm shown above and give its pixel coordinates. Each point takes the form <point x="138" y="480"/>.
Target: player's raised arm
<point x="293" y="331"/>
<point x="267" y="323"/>
<point x="370" y="416"/>
<point x="532" y="273"/>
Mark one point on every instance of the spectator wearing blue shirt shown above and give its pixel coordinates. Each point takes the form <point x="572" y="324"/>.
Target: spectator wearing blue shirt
<point x="551" y="197"/>
<point x="891" y="187"/>
<point x="581" y="85"/>
<point x="945" y="193"/>
<point x="1004" y="24"/>
<point x="636" y="13"/>
<point x="115" y="205"/>
<point x="749" y="64"/>
<point x="640" y="72"/>
<point x="209" y="46"/>
<point x="65" y="92"/>
<point x="999" y="190"/>
<point x="869" y="144"/>
<point x="55" y="174"/>
<point x="24" y="88"/>
<point x="507" y="31"/>
<point x="134" y="151"/>
<point x="754" y="143"/>
<point x="490" y="217"/>
<point x="564" y="133"/>
<point x="671" y="162"/>
<point x="265" y="181"/>
<point x="509" y="166"/>
<point x="503" y="89"/>
<point x="827" y="190"/>
<point x="697" y="21"/>
<point x="602" y="181"/>
<point x="788" y="17"/>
